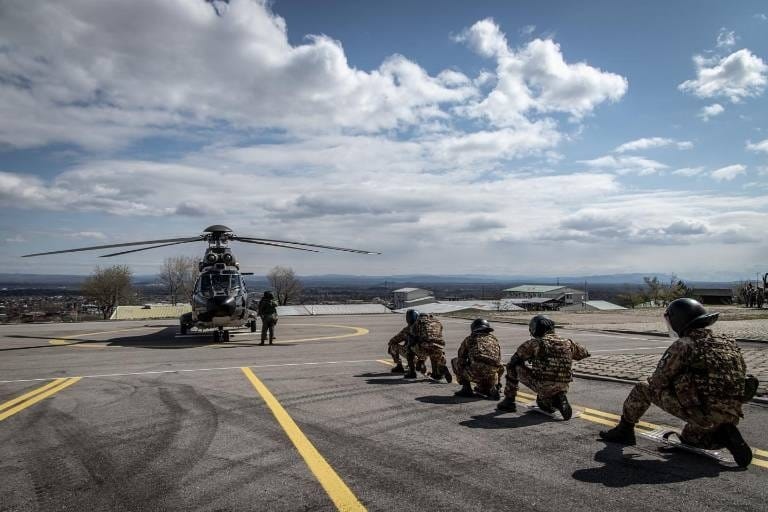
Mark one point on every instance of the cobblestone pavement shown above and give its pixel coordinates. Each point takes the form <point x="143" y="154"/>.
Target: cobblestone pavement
<point x="640" y="366"/>
<point x="756" y="330"/>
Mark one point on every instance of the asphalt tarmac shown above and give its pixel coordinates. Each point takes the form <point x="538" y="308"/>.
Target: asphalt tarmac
<point x="131" y="416"/>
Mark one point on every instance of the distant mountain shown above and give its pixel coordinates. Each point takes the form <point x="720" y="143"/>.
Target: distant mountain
<point x="392" y="281"/>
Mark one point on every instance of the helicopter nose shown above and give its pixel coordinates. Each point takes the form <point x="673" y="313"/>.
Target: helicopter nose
<point x="222" y="306"/>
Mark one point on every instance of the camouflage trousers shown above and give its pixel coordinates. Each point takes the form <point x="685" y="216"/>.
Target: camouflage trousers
<point x="699" y="428"/>
<point x="434" y="352"/>
<point x="398" y="351"/>
<point x="268" y="324"/>
<point x="521" y="373"/>
<point x="485" y="376"/>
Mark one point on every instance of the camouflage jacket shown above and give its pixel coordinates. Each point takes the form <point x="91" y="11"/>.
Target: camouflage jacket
<point x="428" y="329"/>
<point x="402" y="336"/>
<point x="481" y="348"/>
<point x="266" y="307"/>
<point x="704" y="371"/>
<point x="551" y="358"/>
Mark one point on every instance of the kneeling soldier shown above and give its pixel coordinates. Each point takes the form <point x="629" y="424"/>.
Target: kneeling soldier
<point x="550" y="374"/>
<point x="425" y="340"/>
<point x="479" y="361"/>
<point x="701" y="379"/>
<point x="397" y="347"/>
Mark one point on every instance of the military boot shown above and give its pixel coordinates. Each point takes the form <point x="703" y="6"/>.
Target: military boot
<point x="421" y="367"/>
<point x="507" y="405"/>
<point x="466" y="391"/>
<point x="623" y="433"/>
<point x="398" y="368"/>
<point x="411" y="372"/>
<point x="493" y="394"/>
<point x="561" y="404"/>
<point x="544" y="405"/>
<point x="447" y="375"/>
<point x="729" y="436"/>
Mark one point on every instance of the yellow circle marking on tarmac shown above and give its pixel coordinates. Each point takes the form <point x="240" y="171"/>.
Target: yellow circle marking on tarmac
<point x="67" y="340"/>
<point x="73" y="341"/>
<point x="356" y="331"/>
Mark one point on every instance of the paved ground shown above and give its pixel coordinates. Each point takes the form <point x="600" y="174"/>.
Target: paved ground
<point x="139" y="419"/>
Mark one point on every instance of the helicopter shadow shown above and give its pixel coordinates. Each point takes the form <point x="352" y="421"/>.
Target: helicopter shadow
<point x="624" y="469"/>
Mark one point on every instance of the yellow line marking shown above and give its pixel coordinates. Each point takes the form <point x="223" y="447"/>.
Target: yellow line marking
<point x="64" y="340"/>
<point x="760" y="452"/>
<point x="597" y="419"/>
<point x="382" y="361"/>
<point x="38" y="397"/>
<point x="761" y="463"/>
<point x="11" y="403"/>
<point x="334" y="486"/>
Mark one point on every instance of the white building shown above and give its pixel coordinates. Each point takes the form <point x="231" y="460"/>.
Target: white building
<point x="410" y="297"/>
<point x="563" y="295"/>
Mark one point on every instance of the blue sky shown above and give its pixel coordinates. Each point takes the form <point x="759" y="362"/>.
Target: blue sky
<point x="456" y="137"/>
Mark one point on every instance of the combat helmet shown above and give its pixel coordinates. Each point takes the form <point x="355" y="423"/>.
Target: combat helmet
<point x="480" y="325"/>
<point x="685" y="314"/>
<point x="540" y="325"/>
<point x="411" y="316"/>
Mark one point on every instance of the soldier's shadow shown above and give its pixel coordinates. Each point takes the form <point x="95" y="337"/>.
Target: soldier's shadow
<point x="623" y="470"/>
<point x="494" y="420"/>
<point x="447" y="399"/>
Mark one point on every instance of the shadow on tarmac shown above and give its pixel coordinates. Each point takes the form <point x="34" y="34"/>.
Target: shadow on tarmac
<point x="492" y="420"/>
<point x="392" y="381"/>
<point x="375" y="374"/>
<point x="447" y="400"/>
<point x="623" y="470"/>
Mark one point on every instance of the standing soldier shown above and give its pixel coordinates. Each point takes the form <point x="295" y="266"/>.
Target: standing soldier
<point x="267" y="311"/>
<point x="551" y="358"/>
<point x="479" y="361"/>
<point x="398" y="344"/>
<point x="425" y="340"/>
<point x="700" y="379"/>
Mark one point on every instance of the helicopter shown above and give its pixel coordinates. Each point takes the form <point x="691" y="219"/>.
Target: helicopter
<point x="220" y="299"/>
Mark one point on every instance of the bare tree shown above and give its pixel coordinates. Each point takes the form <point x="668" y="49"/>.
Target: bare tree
<point x="178" y="275"/>
<point x="285" y="284"/>
<point x="108" y="287"/>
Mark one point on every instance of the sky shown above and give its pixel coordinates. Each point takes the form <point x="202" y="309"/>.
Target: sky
<point x="485" y="137"/>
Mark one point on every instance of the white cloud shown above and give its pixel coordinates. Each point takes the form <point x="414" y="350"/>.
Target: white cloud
<point x="761" y="16"/>
<point x="728" y="173"/>
<point x="626" y="165"/>
<point x="80" y="74"/>
<point x="711" y="111"/>
<point x="536" y="78"/>
<point x="726" y="38"/>
<point x="761" y="146"/>
<point x="652" y="142"/>
<point x="688" y="171"/>
<point x="737" y="76"/>
<point x="527" y="30"/>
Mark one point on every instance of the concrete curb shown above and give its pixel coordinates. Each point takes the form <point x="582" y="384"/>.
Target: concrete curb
<point x="605" y="378"/>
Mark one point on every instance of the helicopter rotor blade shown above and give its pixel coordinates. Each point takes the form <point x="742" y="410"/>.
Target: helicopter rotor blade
<point x="146" y="248"/>
<point x="109" y="246"/>
<point x="251" y="239"/>
<point x="259" y="242"/>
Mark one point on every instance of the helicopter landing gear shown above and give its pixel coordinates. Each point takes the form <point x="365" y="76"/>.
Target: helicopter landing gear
<point x="183" y="329"/>
<point x="220" y="335"/>
<point x="252" y="325"/>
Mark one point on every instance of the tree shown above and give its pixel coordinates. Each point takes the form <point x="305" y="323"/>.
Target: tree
<point x="108" y="287"/>
<point x="285" y="284"/>
<point x="654" y="289"/>
<point x="178" y="275"/>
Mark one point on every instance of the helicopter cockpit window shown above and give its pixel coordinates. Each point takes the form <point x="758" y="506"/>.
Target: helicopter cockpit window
<point x="220" y="284"/>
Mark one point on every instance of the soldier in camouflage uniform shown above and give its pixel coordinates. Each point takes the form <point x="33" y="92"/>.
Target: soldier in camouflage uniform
<point x="550" y="374"/>
<point x="267" y="311"/>
<point x="700" y="379"/>
<point x="397" y="347"/>
<point x="479" y="361"/>
<point x="425" y="340"/>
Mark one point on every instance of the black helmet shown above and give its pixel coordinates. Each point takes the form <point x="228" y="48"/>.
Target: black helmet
<point x="540" y="325"/>
<point x="480" y="325"/>
<point x="411" y="316"/>
<point x="682" y="315"/>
